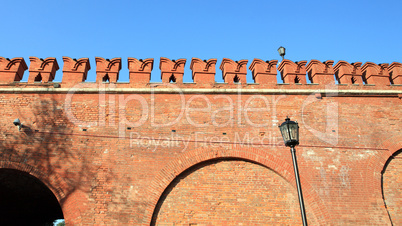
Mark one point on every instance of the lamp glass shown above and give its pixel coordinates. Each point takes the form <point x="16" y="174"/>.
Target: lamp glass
<point x="284" y="132"/>
<point x="294" y="131"/>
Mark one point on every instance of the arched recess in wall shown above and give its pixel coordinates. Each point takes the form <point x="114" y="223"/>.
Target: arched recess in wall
<point x="165" y="181"/>
<point x="377" y="166"/>
<point x="391" y="178"/>
<point x="69" y="201"/>
<point x="227" y="192"/>
<point x="26" y="200"/>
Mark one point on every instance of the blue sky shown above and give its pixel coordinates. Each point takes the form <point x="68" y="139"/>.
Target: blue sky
<point x="323" y="30"/>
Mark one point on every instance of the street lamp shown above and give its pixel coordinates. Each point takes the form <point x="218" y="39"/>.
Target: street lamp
<point x="281" y="51"/>
<point x="290" y="133"/>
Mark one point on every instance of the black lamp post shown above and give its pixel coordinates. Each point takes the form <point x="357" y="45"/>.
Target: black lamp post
<point x="290" y="133"/>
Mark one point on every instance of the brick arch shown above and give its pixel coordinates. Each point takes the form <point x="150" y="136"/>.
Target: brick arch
<point x="390" y="181"/>
<point x="57" y="191"/>
<point x="390" y="147"/>
<point x="376" y="166"/>
<point x="189" y="159"/>
<point x="377" y="163"/>
<point x="55" y="184"/>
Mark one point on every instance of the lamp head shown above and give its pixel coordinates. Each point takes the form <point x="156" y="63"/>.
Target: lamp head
<point x="290" y="132"/>
<point x="282" y="52"/>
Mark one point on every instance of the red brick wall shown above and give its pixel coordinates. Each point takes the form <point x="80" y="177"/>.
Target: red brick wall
<point x="109" y="151"/>
<point x="117" y="178"/>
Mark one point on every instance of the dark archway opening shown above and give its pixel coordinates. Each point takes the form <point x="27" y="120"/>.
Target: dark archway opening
<point x="25" y="200"/>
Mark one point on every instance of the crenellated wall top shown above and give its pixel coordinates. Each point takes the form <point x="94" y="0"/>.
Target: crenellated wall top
<point x="264" y="73"/>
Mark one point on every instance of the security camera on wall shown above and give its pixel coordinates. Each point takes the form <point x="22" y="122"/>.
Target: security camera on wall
<point x="18" y="123"/>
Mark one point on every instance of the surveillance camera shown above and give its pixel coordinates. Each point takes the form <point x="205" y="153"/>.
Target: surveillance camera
<point x="17" y="122"/>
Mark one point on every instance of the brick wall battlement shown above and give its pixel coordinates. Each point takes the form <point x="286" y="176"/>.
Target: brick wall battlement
<point x="264" y="73"/>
